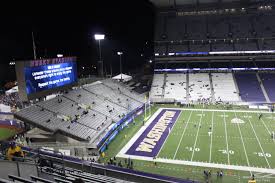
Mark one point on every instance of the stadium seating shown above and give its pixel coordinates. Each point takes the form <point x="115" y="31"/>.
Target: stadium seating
<point x="157" y="86"/>
<point x="224" y="87"/>
<point x="219" y="87"/>
<point x="246" y="46"/>
<point x="269" y="85"/>
<point x="243" y="28"/>
<point x="84" y="113"/>
<point x="175" y="87"/>
<point x="222" y="46"/>
<point x="249" y="87"/>
<point x="123" y="90"/>
<point x="199" y="86"/>
<point x="55" y="175"/>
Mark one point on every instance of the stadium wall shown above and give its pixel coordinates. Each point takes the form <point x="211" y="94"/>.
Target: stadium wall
<point x="129" y="118"/>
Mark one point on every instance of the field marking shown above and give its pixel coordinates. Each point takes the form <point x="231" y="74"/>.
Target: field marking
<point x="212" y="129"/>
<point x="199" y="126"/>
<point x="229" y="137"/>
<point x="259" y="143"/>
<point x="183" y="134"/>
<point x="228" y="161"/>
<point x="201" y="164"/>
<point x="265" y="126"/>
<point x="140" y="131"/>
<point x="169" y="133"/>
<point x="243" y="143"/>
<point x="220" y="110"/>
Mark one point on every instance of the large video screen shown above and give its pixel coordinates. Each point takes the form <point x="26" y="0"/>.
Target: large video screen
<point x="47" y="77"/>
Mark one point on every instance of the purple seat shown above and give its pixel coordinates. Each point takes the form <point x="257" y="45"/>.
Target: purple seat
<point x="249" y="87"/>
<point x="268" y="80"/>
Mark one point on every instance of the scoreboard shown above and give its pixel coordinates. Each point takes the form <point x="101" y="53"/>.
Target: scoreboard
<point x="38" y="78"/>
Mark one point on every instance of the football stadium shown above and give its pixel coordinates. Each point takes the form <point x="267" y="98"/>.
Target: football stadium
<point x="195" y="105"/>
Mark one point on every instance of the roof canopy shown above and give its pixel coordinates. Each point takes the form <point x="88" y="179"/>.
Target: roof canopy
<point x="122" y="77"/>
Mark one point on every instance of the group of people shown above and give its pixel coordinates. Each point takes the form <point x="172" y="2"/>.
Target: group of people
<point x="11" y="100"/>
<point x="12" y="151"/>
<point x="208" y="173"/>
<point x="128" y="163"/>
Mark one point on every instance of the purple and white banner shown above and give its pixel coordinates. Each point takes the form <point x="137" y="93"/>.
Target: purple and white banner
<point x="151" y="140"/>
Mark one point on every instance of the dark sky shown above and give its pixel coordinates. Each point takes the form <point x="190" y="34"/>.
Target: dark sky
<point x="68" y="28"/>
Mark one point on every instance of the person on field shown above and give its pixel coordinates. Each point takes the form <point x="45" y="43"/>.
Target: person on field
<point x="260" y="116"/>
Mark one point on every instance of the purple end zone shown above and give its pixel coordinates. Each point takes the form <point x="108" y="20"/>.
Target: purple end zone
<point x="132" y="150"/>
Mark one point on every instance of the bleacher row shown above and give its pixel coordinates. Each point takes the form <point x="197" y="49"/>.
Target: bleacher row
<point x="225" y="87"/>
<point x="84" y="113"/>
<point x="247" y="31"/>
<point x="50" y="175"/>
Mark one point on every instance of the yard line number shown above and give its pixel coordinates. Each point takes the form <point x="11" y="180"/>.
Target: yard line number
<point x="191" y="149"/>
<point x="260" y="154"/>
<point x="227" y="152"/>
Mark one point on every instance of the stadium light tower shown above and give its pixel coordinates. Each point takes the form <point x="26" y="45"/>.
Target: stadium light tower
<point x="99" y="37"/>
<point x="120" y="66"/>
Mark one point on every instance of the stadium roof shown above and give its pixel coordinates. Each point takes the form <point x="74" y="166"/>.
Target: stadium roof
<point x="182" y="3"/>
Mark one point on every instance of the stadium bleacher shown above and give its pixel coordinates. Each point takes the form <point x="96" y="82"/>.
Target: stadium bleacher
<point x="175" y="87"/>
<point x="199" y="86"/>
<point x="268" y="82"/>
<point x="157" y="86"/>
<point x="84" y="113"/>
<point x="249" y="87"/>
<point x="224" y="87"/>
<point x="56" y="174"/>
<point x="209" y="87"/>
<point x="249" y="31"/>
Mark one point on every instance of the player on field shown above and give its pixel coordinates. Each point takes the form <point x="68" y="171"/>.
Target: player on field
<point x="260" y="116"/>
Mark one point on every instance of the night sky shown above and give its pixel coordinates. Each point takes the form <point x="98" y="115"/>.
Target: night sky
<point x="68" y="28"/>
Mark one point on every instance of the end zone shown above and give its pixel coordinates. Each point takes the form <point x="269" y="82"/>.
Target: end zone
<point x="148" y="141"/>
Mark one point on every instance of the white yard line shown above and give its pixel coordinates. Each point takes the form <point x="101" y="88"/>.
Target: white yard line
<point x="170" y="132"/>
<point x="228" y="161"/>
<point x="259" y="143"/>
<point x="199" y="126"/>
<point x="212" y="130"/>
<point x="267" y="176"/>
<point x="220" y="110"/>
<point x="265" y="126"/>
<point x="243" y="143"/>
<point x="202" y="164"/>
<point x="183" y="134"/>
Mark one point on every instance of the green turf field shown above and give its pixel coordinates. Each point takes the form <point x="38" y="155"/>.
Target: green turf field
<point x="232" y="138"/>
<point x="6" y="133"/>
<point x="215" y="138"/>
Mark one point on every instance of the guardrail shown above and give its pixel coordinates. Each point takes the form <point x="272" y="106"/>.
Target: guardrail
<point x="112" y="171"/>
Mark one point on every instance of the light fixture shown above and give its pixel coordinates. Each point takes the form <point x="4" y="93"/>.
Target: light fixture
<point x="99" y="36"/>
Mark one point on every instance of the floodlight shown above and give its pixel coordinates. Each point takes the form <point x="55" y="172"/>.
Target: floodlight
<point x="99" y="36"/>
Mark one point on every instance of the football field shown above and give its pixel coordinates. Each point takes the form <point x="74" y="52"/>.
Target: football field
<point x="220" y="139"/>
